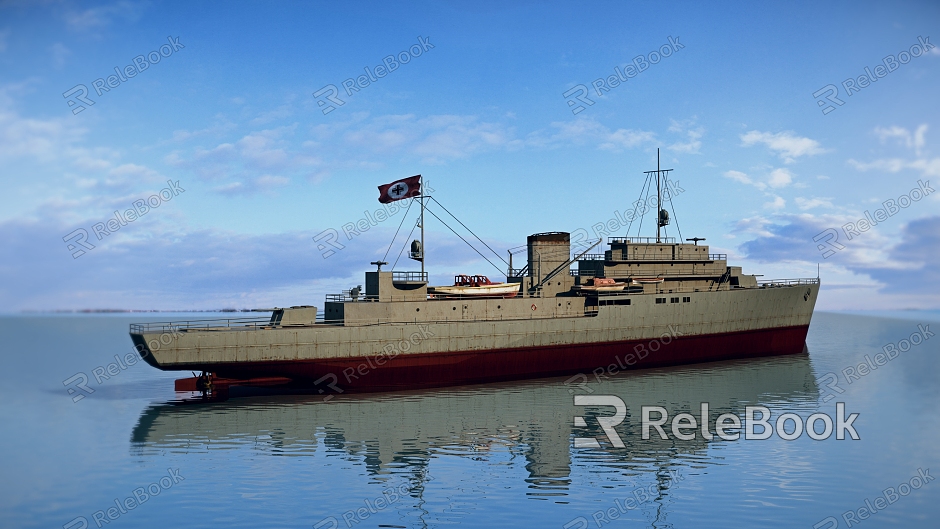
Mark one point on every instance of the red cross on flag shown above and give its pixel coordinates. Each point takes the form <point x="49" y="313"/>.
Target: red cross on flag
<point x="407" y="188"/>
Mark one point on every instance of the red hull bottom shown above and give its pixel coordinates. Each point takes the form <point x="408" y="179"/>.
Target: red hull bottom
<point x="412" y="371"/>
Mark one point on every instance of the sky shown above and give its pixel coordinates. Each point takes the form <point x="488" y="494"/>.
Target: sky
<point x="268" y="125"/>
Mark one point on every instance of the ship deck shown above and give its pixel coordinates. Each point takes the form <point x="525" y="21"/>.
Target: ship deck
<point x="264" y="323"/>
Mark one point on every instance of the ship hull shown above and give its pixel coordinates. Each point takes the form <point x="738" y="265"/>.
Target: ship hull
<point x="595" y="361"/>
<point x="490" y="340"/>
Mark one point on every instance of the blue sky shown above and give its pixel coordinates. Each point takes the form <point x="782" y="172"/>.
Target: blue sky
<point x="230" y="114"/>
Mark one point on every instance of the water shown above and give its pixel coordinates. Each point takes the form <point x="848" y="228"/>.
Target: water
<point x="497" y="455"/>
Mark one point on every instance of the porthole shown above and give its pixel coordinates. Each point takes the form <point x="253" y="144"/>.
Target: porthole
<point x="455" y="308"/>
<point x="417" y="310"/>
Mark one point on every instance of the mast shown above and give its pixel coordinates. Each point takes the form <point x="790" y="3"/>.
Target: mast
<point x="660" y="172"/>
<point x="659" y="195"/>
<point x="421" y="198"/>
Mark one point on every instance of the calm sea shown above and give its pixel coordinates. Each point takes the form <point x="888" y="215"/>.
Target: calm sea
<point x="501" y="455"/>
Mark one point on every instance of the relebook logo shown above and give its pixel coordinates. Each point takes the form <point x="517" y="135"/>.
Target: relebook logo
<point x="328" y="97"/>
<point x="78" y="239"/>
<point x="830" y="93"/>
<point x="78" y="97"/>
<point x="727" y="426"/>
<point x="886" y="499"/>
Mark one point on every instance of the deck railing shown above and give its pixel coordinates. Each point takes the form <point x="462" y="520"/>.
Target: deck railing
<point x="410" y="276"/>
<point x="220" y="323"/>
<point x="346" y="296"/>
<point x="788" y="282"/>
<point x="641" y="240"/>
<point x="617" y="257"/>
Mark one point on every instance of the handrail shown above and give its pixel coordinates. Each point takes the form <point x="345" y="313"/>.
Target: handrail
<point x="788" y="282"/>
<point x="518" y="272"/>
<point x="173" y="326"/>
<point x="662" y="240"/>
<point x="693" y="258"/>
<point x="346" y="296"/>
<point x="410" y="276"/>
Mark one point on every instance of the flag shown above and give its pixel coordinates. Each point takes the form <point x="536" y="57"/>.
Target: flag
<point x="407" y="188"/>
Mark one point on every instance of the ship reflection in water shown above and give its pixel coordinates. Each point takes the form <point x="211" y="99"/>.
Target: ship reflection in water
<point x="528" y="424"/>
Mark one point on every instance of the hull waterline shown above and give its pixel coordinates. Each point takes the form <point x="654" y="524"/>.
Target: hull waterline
<point x="595" y="360"/>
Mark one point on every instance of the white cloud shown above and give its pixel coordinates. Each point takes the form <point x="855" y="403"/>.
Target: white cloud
<point x="738" y="176"/>
<point x="433" y="139"/>
<point x="223" y="126"/>
<point x="777" y="203"/>
<point x="583" y="131"/>
<point x="815" y="202"/>
<point x="42" y="139"/>
<point x="262" y="149"/>
<point x="916" y="141"/>
<point x="627" y="139"/>
<point x="926" y="167"/>
<point x="872" y="261"/>
<point x="693" y="144"/>
<point x="912" y="140"/>
<point x="754" y="226"/>
<point x="59" y="54"/>
<point x="786" y="144"/>
<point x="263" y="184"/>
<point x="245" y="165"/>
<point x="99" y="17"/>
<point x="779" y="178"/>
<point x="281" y="112"/>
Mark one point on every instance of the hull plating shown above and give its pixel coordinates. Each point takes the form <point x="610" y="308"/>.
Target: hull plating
<point x="409" y="371"/>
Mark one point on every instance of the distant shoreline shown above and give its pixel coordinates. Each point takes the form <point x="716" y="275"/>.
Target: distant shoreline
<point x="129" y="311"/>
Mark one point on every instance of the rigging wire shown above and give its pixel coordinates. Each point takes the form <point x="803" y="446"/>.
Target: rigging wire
<point x="406" y="244"/>
<point x="400" y="224"/>
<point x="464" y="240"/>
<point x="674" y="217"/>
<point x="641" y="198"/>
<point x="468" y="229"/>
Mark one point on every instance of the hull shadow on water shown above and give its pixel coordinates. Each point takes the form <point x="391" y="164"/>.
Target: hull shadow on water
<point x="402" y="431"/>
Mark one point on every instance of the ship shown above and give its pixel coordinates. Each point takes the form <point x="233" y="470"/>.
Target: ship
<point x="684" y="305"/>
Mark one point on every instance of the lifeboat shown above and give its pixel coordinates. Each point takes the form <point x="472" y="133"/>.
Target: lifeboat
<point x="646" y="280"/>
<point x="602" y="284"/>
<point x="475" y="286"/>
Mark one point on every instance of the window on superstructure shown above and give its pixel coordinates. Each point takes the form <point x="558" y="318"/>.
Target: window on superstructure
<point x="673" y="300"/>
<point x="660" y="300"/>
<point x="606" y="302"/>
<point x="686" y="299"/>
